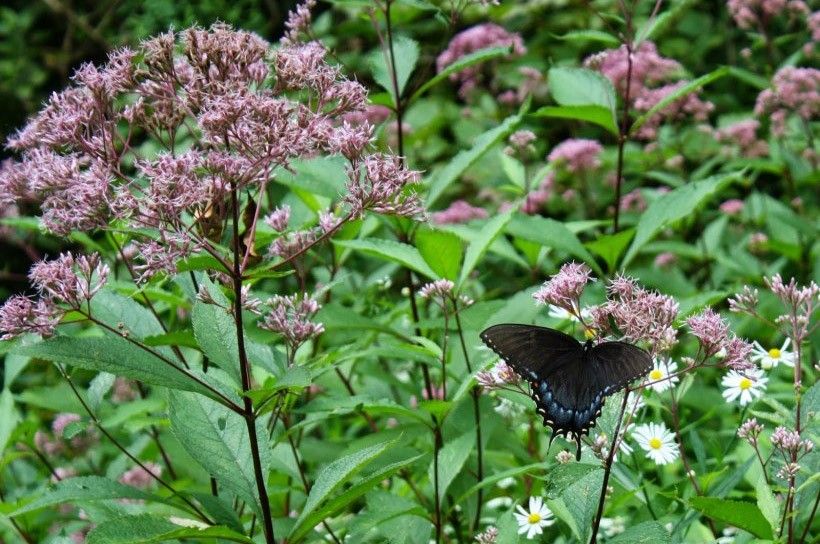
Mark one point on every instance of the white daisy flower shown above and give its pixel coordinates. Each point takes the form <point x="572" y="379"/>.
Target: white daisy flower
<point x="533" y="521"/>
<point x="657" y="441"/>
<point x="499" y="502"/>
<point x="613" y="526"/>
<point x="748" y="385"/>
<point x="660" y="377"/>
<point x="768" y="359"/>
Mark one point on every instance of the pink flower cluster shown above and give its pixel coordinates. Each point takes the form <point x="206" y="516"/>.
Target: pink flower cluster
<point x="743" y="137"/>
<point x="794" y="90"/>
<point x="500" y="375"/>
<point x="66" y="280"/>
<point x="565" y="288"/>
<point x="470" y="40"/>
<point x="577" y="155"/>
<point x="639" y="314"/>
<point x="460" y="211"/>
<point x="751" y="14"/>
<point x="140" y="477"/>
<point x="291" y="317"/>
<point x="437" y="289"/>
<point x="649" y="69"/>
<point x="713" y="333"/>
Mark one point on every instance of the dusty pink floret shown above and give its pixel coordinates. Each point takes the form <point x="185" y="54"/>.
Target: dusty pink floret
<point x="279" y="218"/>
<point x="648" y="67"/>
<point x="565" y="288"/>
<point x="750" y="430"/>
<point x="710" y="329"/>
<point x="20" y="315"/>
<point x="682" y="108"/>
<point x="577" y="154"/>
<point x="438" y="288"/>
<point x="140" y="477"/>
<point x="794" y="90"/>
<point x="732" y="206"/>
<point x="291" y="317"/>
<point x="470" y="40"/>
<point x="667" y="258"/>
<point x="753" y="14"/>
<point x="743" y="135"/>
<point x="460" y="211"/>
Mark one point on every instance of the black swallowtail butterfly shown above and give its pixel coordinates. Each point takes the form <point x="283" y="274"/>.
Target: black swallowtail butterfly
<point x="569" y="381"/>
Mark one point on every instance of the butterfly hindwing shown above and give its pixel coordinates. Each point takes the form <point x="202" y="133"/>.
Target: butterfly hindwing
<point x="569" y="381"/>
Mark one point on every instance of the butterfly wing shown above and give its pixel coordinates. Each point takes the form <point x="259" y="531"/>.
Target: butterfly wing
<point x="615" y="364"/>
<point x="533" y="352"/>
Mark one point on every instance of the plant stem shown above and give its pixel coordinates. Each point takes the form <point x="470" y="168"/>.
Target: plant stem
<point x="608" y="469"/>
<point x="23" y="534"/>
<point x="245" y="372"/>
<point x="437" y="500"/>
<point x="623" y="137"/>
<point x="811" y="518"/>
<point x="394" y="80"/>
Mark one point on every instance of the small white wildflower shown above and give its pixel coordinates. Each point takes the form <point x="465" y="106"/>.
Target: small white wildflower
<point x="533" y="521"/>
<point x="658" y="443"/>
<point x="748" y="385"/>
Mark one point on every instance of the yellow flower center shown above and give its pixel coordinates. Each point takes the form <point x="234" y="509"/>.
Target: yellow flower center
<point x="656" y="374"/>
<point x="745" y="383"/>
<point x="534" y="518"/>
<point x="589" y="334"/>
<point x="655" y="443"/>
<point x="774" y="353"/>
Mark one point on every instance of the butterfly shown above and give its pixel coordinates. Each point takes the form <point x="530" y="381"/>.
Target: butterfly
<point x="569" y="381"/>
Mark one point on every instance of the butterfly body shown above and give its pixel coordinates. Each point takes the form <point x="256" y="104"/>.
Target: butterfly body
<point x="569" y="381"/>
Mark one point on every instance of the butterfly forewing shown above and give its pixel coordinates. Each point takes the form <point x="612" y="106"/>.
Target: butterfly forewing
<point x="528" y="348"/>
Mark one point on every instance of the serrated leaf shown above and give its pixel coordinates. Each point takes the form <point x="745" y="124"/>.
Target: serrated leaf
<point x="560" y="477"/>
<point x="451" y="459"/>
<point x="441" y="250"/>
<point x="218" y="439"/>
<point x="117" y="356"/>
<point x="551" y="233"/>
<point x="399" y="252"/>
<point x="479" y="246"/>
<point x="83" y="488"/>
<point x="767" y="503"/>
<point x="681" y="92"/>
<point x="675" y="205"/>
<point x="406" y="53"/>
<point x="215" y="332"/>
<point x="150" y="529"/>
<point x="583" y="87"/>
<point x="648" y="532"/>
<point x="599" y="115"/>
<point x="581" y="500"/>
<point x="443" y="178"/>
<point x="332" y="476"/>
<point x="743" y="515"/>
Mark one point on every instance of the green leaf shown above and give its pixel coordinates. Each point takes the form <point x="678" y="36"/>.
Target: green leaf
<point x="451" y="459"/>
<point x="584" y="36"/>
<point x="599" y="115"/>
<point x="482" y="55"/>
<point x="551" y="233"/>
<point x="581" y="501"/>
<point x="514" y="169"/>
<point x="218" y="439"/>
<point x="148" y="529"/>
<point x="443" y="178"/>
<point x="611" y="246"/>
<point x="9" y="418"/>
<point x="323" y="176"/>
<point x="767" y="503"/>
<point x="441" y="250"/>
<point x="399" y="252"/>
<point x="560" y="477"/>
<point x="334" y="475"/>
<point x="83" y="488"/>
<point x="582" y="87"/>
<point x="648" y="532"/>
<point x="114" y="309"/>
<point x="215" y="332"/>
<point x="684" y="90"/>
<point x="117" y="356"/>
<point x="478" y="247"/>
<point x="675" y="205"/>
<point x="743" y="515"/>
<point x="406" y="53"/>
<point x="334" y="505"/>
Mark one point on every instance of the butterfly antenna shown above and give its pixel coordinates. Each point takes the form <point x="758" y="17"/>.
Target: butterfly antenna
<point x="578" y="451"/>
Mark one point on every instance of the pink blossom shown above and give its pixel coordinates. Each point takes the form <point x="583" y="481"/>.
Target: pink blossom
<point x="633" y="201"/>
<point x="378" y="183"/>
<point x="470" y="40"/>
<point x="140" y="477"/>
<point x="732" y="206"/>
<point x="372" y="114"/>
<point x="46" y="444"/>
<point x="667" y="258"/>
<point x="743" y="135"/>
<point x="682" y="108"/>
<point x="738" y="354"/>
<point x="20" y="315"/>
<point x="279" y="218"/>
<point x="299" y="21"/>
<point x="63" y="420"/>
<point x="565" y="288"/>
<point x="710" y="329"/>
<point x="748" y="14"/>
<point x="460" y="211"/>
<point x="794" y="90"/>
<point x="577" y="155"/>
<point x="440" y="288"/>
<point x="123" y="390"/>
<point x="648" y="67"/>
<point x="291" y="317"/>
<point x="521" y="138"/>
<point x="750" y="430"/>
<point x="498" y="376"/>
<point x="62" y="473"/>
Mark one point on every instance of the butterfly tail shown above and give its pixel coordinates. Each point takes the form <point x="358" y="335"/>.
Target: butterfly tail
<point x="578" y="450"/>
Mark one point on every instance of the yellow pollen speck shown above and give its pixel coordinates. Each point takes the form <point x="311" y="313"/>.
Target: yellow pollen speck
<point x="589" y="334"/>
<point x="533" y="518"/>
<point x="745" y="383"/>
<point x="656" y="374"/>
<point x="774" y="353"/>
<point x="655" y="443"/>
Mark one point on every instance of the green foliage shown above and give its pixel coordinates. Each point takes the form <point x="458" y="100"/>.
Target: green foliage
<point x="743" y="515"/>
